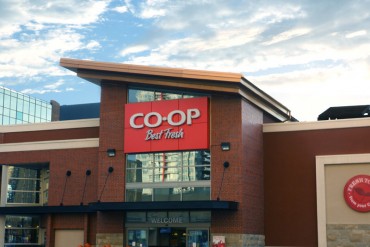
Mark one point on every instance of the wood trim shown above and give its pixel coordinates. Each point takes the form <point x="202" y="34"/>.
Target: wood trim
<point x="75" y="64"/>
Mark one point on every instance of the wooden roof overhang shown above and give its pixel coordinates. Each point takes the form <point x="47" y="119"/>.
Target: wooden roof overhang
<point x="180" y="79"/>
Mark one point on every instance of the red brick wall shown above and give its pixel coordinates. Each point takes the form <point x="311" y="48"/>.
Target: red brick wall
<point x="238" y="122"/>
<point x="251" y="170"/>
<point x="111" y="189"/>
<point x="48" y="135"/>
<point x="225" y="127"/>
<point x="290" y="179"/>
<point x="60" y="161"/>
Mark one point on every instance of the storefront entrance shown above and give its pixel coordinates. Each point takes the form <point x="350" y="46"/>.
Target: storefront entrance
<point x="168" y="229"/>
<point x="168" y="237"/>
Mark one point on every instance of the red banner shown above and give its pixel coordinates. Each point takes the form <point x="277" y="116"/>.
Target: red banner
<point x="167" y="125"/>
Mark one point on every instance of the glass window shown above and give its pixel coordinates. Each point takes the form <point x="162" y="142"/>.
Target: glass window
<point x="43" y="113"/>
<point x="6" y="120"/>
<point x="135" y="95"/>
<point x="168" y="167"/>
<point x="135" y="217"/>
<point x="32" y="109"/>
<point x="13" y="114"/>
<point x="1" y="98"/>
<point x="167" y="194"/>
<point x="200" y="216"/>
<point x="13" y="103"/>
<point x="195" y="193"/>
<point x="25" y="117"/>
<point x="25" y="185"/>
<point x="7" y="101"/>
<point x="19" y="105"/>
<point x="26" y="107"/>
<point x="38" y="111"/>
<point x="137" y="237"/>
<point x="21" y="230"/>
<point x="139" y="195"/>
<point x="168" y="176"/>
<point x="139" y="95"/>
<point x="139" y="175"/>
<point x="19" y="115"/>
<point x="12" y="121"/>
<point x="6" y="112"/>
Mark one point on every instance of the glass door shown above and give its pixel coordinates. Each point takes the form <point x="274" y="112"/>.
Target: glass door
<point x="198" y="237"/>
<point x="137" y="237"/>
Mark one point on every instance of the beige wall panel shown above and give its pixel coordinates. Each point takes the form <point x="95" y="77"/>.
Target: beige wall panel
<point x="64" y="238"/>
<point x="337" y="210"/>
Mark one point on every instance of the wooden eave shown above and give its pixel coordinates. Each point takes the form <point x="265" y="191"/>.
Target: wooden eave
<point x="186" y="79"/>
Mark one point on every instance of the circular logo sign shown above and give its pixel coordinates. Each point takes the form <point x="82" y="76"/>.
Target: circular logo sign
<point x="357" y="193"/>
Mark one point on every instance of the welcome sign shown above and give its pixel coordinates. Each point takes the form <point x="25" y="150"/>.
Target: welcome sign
<point x="167" y="125"/>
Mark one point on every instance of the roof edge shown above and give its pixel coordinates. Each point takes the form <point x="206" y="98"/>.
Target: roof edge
<point x="316" y="125"/>
<point x="75" y="64"/>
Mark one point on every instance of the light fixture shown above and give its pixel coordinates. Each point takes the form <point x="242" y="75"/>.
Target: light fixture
<point x="111" y="152"/>
<point x="226" y="164"/>
<point x="225" y="146"/>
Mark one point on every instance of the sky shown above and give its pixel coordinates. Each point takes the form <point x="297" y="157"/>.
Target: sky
<point x="308" y="55"/>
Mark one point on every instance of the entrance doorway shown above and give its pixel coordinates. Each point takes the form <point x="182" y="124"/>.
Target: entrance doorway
<point x="167" y="237"/>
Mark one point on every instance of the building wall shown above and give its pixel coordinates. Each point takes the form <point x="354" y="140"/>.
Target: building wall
<point x="290" y="179"/>
<point x="238" y="122"/>
<point x="226" y="127"/>
<point x="111" y="186"/>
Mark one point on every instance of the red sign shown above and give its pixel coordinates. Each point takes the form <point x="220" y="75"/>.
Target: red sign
<point x="357" y="193"/>
<point x="166" y="125"/>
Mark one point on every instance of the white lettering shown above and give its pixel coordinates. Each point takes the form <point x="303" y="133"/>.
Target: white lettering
<point x="132" y="121"/>
<point x="149" y="115"/>
<point x="182" y="118"/>
<point x="166" y="220"/>
<point x="191" y="114"/>
<point x="155" y="119"/>
<point x="166" y="133"/>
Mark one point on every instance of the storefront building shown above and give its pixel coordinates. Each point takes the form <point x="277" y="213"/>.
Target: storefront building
<point x="151" y="171"/>
<point x="177" y="158"/>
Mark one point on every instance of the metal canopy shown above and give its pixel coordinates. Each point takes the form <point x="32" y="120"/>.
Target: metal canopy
<point x="124" y="206"/>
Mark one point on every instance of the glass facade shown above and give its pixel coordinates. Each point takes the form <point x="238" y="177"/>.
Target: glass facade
<point x="139" y="95"/>
<point x="175" y="176"/>
<point x="18" y="108"/>
<point x="25" y="185"/>
<point x="22" y="230"/>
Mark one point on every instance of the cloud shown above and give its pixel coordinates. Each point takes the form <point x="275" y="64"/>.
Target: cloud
<point x="356" y="34"/>
<point x="134" y="49"/>
<point x="35" y="34"/>
<point x="121" y="9"/>
<point x="287" y="35"/>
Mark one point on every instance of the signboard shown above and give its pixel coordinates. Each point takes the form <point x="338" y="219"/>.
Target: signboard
<point x="167" y="125"/>
<point x="357" y="193"/>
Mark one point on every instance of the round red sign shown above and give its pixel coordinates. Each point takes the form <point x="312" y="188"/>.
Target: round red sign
<point x="357" y="193"/>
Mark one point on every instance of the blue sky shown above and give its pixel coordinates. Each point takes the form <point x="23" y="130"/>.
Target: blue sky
<point x="308" y="55"/>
